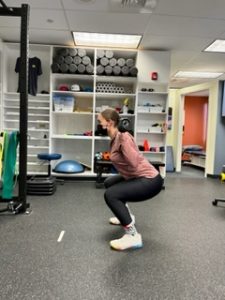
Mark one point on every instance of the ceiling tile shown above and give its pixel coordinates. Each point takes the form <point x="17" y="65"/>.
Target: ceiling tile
<point x="107" y="22"/>
<point x="51" y="37"/>
<point x="92" y="5"/>
<point x="192" y="8"/>
<point x="162" y="42"/>
<point x="10" y="34"/>
<point x="39" y="17"/>
<point x="56" y="4"/>
<point x="184" y="26"/>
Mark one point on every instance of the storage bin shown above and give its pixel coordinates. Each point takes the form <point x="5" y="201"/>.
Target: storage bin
<point x="63" y="103"/>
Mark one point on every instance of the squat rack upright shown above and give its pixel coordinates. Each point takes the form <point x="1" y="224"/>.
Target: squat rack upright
<point x="18" y="204"/>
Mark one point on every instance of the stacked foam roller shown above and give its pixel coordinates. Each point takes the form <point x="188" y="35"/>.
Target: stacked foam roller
<point x="109" y="87"/>
<point x="72" y="60"/>
<point x="110" y="65"/>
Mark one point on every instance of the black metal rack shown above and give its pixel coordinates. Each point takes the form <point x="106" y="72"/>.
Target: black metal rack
<point x="18" y="204"/>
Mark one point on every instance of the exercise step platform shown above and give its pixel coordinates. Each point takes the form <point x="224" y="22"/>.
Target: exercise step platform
<point x="41" y="186"/>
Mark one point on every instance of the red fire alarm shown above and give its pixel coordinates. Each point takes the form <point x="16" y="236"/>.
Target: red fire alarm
<point x="154" y="76"/>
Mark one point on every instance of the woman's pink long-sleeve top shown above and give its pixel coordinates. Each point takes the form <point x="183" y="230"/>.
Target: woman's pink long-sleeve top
<point x="127" y="159"/>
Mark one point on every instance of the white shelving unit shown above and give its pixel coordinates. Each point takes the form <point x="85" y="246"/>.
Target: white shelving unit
<point x="74" y="133"/>
<point x="38" y="106"/>
<point x="152" y="125"/>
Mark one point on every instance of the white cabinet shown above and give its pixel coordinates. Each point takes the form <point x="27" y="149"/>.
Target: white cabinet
<point x="38" y="105"/>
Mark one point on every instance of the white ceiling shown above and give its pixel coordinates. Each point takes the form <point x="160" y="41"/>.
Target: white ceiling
<point x="184" y="27"/>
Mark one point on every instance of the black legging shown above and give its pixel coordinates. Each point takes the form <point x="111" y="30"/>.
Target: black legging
<point x="120" y="191"/>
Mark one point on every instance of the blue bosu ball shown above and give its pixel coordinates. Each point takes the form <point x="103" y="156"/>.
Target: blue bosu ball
<point x="69" y="167"/>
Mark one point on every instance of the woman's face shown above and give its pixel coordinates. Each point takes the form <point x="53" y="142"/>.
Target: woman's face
<point x="103" y="122"/>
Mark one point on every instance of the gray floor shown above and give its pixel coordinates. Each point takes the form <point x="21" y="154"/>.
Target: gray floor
<point x="183" y="255"/>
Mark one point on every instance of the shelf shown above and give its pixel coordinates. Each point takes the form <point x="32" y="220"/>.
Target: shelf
<point x="71" y="137"/>
<point x="152" y="152"/>
<point x="112" y="95"/>
<point x="37" y="147"/>
<point x="152" y="93"/>
<point x="80" y="94"/>
<point x="120" y="79"/>
<point x="37" y="121"/>
<point x="148" y="132"/>
<point x="72" y="113"/>
<point x="29" y="96"/>
<point x="152" y="113"/>
<point x="73" y="76"/>
<point x="102" y="138"/>
<point x="31" y="107"/>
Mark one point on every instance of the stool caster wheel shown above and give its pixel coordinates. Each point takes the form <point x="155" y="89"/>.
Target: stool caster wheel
<point x="214" y="203"/>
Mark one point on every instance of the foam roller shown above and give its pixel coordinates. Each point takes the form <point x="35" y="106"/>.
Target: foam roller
<point x="104" y="61"/>
<point x="116" y="70"/>
<point x="108" y="70"/>
<point x="63" y="51"/>
<point x="133" y="71"/>
<point x="64" y="68"/>
<point x="81" y="52"/>
<point x="112" y="61"/>
<point x="100" y="53"/>
<point x="72" y="68"/>
<point x="121" y="62"/>
<point x="86" y="60"/>
<point x="100" y="69"/>
<point x="68" y="59"/>
<point x="77" y="60"/>
<point x="130" y="62"/>
<point x="59" y="59"/>
<point x="55" y="68"/>
<point x="109" y="53"/>
<point x="72" y="52"/>
<point x="81" y="68"/>
<point x="89" y="69"/>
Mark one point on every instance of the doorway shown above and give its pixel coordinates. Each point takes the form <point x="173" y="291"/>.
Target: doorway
<point x="194" y="134"/>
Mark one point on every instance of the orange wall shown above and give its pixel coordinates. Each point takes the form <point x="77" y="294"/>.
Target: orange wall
<point x="195" y="121"/>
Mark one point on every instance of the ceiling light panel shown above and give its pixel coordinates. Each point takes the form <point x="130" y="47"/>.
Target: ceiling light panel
<point x="186" y="74"/>
<point x="216" y="46"/>
<point x="106" y="40"/>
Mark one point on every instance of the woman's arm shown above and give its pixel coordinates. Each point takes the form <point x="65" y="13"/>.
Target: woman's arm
<point x="129" y="149"/>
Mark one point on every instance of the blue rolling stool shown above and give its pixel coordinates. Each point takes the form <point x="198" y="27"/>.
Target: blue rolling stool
<point x="43" y="185"/>
<point x="49" y="157"/>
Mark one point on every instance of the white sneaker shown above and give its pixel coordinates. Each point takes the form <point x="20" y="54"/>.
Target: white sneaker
<point x="127" y="242"/>
<point x="115" y="221"/>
